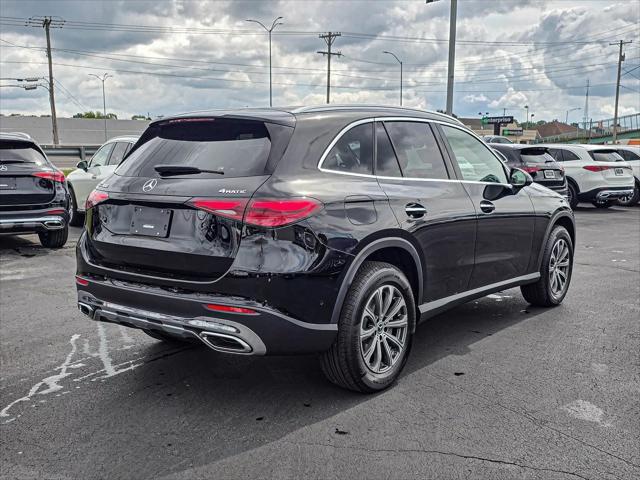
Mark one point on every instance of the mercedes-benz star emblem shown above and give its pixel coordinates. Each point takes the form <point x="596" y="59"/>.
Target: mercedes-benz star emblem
<point x="149" y="185"/>
<point x="3" y="168"/>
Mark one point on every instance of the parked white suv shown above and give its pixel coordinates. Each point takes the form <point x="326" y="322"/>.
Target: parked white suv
<point x="595" y="173"/>
<point x="631" y="155"/>
<point x="89" y="174"/>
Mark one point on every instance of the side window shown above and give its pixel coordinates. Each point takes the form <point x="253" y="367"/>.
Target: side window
<point x="386" y="161"/>
<point x="417" y="150"/>
<point x="476" y="161"/>
<point x="101" y="157"/>
<point x="628" y="155"/>
<point x="353" y="153"/>
<point x="556" y="153"/>
<point x="118" y="153"/>
<point x="569" y="155"/>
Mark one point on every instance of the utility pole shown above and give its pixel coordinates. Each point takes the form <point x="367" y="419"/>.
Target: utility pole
<point x="103" y="79"/>
<point x="452" y="55"/>
<point x="329" y="38"/>
<point x="615" y="114"/>
<point x="269" y="30"/>
<point x="586" y="107"/>
<point x="47" y="23"/>
<point x="400" y="62"/>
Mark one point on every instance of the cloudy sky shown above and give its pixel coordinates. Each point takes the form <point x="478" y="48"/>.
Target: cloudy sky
<point x="176" y="55"/>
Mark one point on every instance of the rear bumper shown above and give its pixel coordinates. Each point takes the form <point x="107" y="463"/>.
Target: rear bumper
<point x="605" y="193"/>
<point x="265" y="332"/>
<point x="34" y="222"/>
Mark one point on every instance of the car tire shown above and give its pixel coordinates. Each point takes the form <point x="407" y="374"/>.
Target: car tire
<point x="546" y="292"/>
<point x="54" y="238"/>
<point x="76" y="218"/>
<point x="633" y="199"/>
<point x="166" y="337"/>
<point x="377" y="288"/>
<point x="572" y="193"/>
<point x="605" y="204"/>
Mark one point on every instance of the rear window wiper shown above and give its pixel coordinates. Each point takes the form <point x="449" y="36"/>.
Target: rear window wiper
<point x="166" y="170"/>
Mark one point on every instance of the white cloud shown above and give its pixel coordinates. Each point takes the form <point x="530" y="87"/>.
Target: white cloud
<point x="216" y="71"/>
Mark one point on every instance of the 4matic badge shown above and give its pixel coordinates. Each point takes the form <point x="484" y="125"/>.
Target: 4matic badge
<point x="226" y="190"/>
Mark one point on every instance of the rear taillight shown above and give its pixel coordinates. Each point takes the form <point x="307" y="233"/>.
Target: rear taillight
<point x="233" y="209"/>
<point x="82" y="281"/>
<point x="229" y="309"/>
<point x="94" y="198"/>
<point x="53" y="175"/>
<point x="275" y="213"/>
<point x="597" y="168"/>
<point x="531" y="168"/>
<point x="260" y="212"/>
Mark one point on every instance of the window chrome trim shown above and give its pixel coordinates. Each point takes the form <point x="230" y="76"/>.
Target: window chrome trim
<point x="413" y="179"/>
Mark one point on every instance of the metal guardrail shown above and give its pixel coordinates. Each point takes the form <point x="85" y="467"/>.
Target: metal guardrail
<point x="596" y="129"/>
<point x="78" y="151"/>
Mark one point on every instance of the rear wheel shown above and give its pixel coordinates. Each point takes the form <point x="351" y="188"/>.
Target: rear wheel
<point x="555" y="272"/>
<point x="572" y="192"/>
<point x="76" y="218"/>
<point x="375" y="330"/>
<point x="631" y="200"/>
<point x="54" y="238"/>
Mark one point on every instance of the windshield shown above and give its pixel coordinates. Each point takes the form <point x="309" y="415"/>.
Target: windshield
<point x="237" y="148"/>
<point x="20" y="152"/>
<point x="605" y="156"/>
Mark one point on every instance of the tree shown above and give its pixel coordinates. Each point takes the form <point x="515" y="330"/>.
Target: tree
<point x="96" y="114"/>
<point x="140" y="117"/>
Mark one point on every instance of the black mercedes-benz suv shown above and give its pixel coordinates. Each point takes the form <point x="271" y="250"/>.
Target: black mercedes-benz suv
<point x="331" y="229"/>
<point x="33" y="193"/>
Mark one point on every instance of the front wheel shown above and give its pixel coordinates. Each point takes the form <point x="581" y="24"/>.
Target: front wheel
<point x="76" y="218"/>
<point x="54" y="238"/>
<point x="572" y="193"/>
<point x="555" y="271"/>
<point x="375" y="330"/>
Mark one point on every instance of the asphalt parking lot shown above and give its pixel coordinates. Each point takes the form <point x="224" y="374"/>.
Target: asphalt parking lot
<point x="493" y="389"/>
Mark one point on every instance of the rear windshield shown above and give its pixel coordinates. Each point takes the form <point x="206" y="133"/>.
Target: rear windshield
<point x="605" y="156"/>
<point x="237" y="148"/>
<point x="536" y="155"/>
<point x="20" y="152"/>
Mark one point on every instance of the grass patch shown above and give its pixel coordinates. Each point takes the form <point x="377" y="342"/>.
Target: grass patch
<point x="67" y="171"/>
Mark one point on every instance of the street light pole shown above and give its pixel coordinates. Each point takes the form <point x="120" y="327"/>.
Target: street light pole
<point x="104" y="102"/>
<point x="400" y="62"/>
<point x="566" y="117"/>
<point x="269" y="30"/>
<point x="526" y="107"/>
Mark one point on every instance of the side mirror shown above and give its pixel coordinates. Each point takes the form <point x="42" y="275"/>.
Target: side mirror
<point x="82" y="165"/>
<point x="519" y="178"/>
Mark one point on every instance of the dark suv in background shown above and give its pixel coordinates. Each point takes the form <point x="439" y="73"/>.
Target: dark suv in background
<point x="537" y="162"/>
<point x="33" y="193"/>
<point x="330" y="229"/>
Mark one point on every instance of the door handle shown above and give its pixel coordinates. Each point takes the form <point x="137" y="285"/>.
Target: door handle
<point x="486" y="206"/>
<point x="415" y="210"/>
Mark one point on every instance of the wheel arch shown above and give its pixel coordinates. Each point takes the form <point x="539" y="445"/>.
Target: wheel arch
<point x="565" y="219"/>
<point x="574" y="183"/>
<point x="396" y="251"/>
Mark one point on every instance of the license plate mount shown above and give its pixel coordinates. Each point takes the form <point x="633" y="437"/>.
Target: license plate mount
<point x="150" y="222"/>
<point x="549" y="174"/>
<point x="618" y="171"/>
<point x="8" y="183"/>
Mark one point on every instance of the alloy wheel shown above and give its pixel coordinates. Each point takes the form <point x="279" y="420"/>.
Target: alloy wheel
<point x="383" y="329"/>
<point x="559" y="265"/>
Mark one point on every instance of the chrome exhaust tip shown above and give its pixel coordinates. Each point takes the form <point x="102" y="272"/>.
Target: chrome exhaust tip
<point x="53" y="224"/>
<point x="225" y="343"/>
<point x="86" y="309"/>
